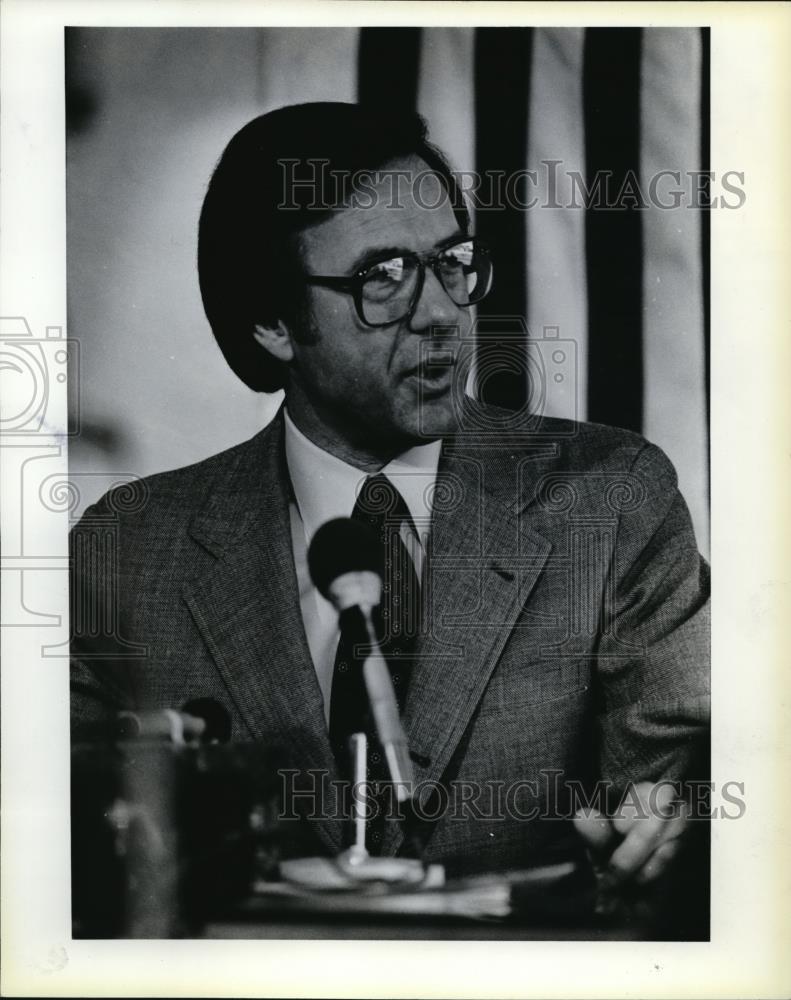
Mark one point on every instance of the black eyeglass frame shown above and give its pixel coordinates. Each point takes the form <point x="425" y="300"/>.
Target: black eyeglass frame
<point x="353" y="284"/>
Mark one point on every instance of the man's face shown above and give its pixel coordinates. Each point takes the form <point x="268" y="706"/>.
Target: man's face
<point x="361" y="391"/>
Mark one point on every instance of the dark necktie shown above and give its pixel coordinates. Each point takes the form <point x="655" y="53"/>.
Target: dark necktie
<point x="397" y="624"/>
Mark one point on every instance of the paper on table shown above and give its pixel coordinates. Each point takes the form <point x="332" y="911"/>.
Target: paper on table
<point x="480" y="897"/>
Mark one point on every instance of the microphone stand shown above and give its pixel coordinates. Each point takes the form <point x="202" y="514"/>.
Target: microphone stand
<point x="358" y="852"/>
<point x="355" y="861"/>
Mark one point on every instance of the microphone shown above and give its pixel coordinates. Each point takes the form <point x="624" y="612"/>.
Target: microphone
<point x="346" y="565"/>
<point x="202" y="719"/>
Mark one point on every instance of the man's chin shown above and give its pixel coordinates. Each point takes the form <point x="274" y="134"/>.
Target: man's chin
<point x="436" y="418"/>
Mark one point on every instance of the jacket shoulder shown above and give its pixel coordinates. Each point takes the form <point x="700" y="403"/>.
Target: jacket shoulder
<point x="572" y="444"/>
<point x="181" y="492"/>
<point x="594" y="446"/>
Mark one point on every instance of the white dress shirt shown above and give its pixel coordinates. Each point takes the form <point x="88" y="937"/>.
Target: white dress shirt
<point x="326" y="487"/>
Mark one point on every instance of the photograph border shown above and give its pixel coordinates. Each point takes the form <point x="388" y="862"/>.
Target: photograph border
<point x="750" y="302"/>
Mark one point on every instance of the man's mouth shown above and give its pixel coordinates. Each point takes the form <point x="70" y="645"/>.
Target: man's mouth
<point x="436" y="372"/>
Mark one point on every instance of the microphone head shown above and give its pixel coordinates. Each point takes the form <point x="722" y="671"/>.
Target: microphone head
<point x="343" y="546"/>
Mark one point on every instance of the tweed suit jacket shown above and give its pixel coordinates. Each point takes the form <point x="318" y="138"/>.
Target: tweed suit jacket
<point x="565" y="635"/>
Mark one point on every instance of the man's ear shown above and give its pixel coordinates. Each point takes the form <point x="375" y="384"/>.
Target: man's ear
<point x="275" y="339"/>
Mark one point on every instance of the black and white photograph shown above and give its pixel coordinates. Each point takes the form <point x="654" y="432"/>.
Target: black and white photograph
<point x="430" y="264"/>
<point x="382" y="459"/>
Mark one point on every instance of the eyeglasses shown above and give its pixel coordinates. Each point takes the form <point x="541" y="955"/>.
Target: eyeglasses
<point x="388" y="291"/>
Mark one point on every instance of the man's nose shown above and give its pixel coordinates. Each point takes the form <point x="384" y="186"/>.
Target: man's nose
<point x="434" y="306"/>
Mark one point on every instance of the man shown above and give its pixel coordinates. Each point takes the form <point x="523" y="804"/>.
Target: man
<point x="563" y="633"/>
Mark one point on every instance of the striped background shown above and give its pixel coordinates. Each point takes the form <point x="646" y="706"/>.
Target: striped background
<point x="628" y="288"/>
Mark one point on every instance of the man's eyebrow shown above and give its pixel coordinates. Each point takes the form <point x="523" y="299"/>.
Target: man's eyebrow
<point x="374" y="255"/>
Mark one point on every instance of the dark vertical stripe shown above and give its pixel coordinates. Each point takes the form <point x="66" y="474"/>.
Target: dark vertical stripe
<point x="502" y="82"/>
<point x="388" y="66"/>
<point x="82" y="101"/>
<point x="613" y="235"/>
<point x="705" y="226"/>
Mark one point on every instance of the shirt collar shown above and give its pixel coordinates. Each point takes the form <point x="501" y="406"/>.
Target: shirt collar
<point x="326" y="487"/>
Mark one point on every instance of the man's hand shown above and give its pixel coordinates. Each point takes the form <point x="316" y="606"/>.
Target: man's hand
<point x="639" y="842"/>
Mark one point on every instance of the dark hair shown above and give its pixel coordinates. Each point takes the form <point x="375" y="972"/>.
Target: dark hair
<point x="245" y="236"/>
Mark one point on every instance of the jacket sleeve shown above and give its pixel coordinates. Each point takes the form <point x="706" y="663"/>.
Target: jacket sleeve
<point x="652" y="664"/>
<point x="100" y="657"/>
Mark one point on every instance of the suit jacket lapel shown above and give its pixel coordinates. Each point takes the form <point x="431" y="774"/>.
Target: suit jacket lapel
<point x="248" y="611"/>
<point x="482" y="565"/>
